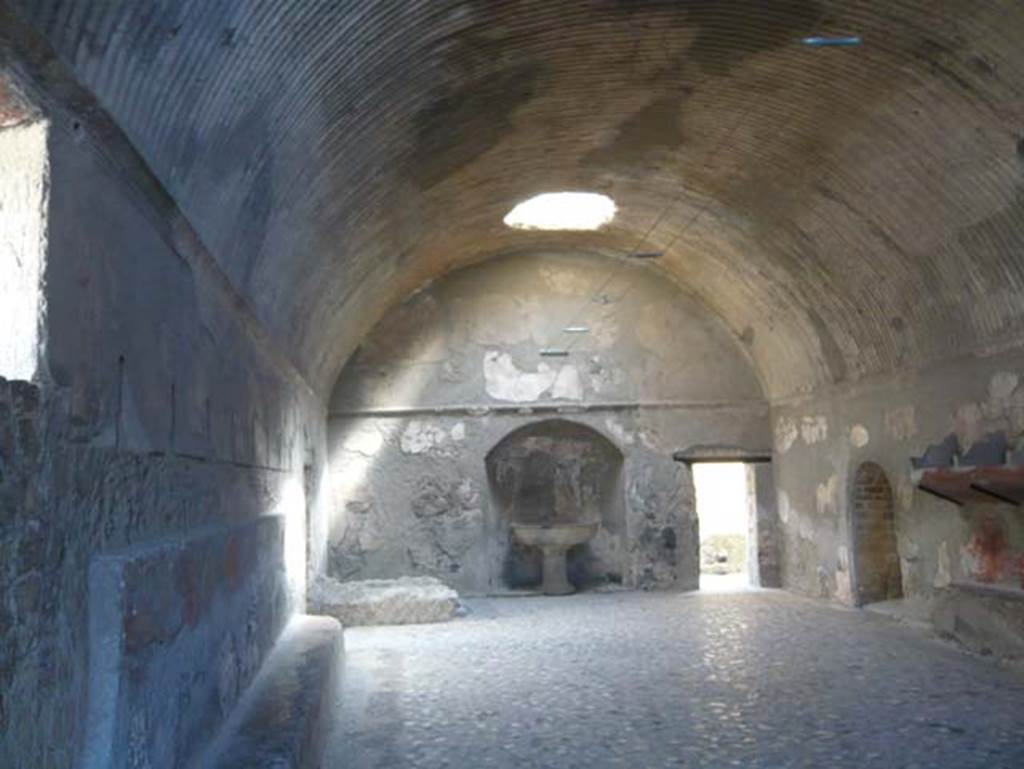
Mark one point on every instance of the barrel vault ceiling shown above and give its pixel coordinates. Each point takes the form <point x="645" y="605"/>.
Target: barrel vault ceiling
<point x="847" y="211"/>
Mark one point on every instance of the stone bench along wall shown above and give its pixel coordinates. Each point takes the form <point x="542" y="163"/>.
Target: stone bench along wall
<point x="177" y="632"/>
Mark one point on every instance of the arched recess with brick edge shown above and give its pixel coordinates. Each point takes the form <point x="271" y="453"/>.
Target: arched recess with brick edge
<point x="876" y="557"/>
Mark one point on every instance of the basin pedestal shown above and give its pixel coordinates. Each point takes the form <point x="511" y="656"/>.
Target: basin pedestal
<point x="554" y="542"/>
<point x="556" y="578"/>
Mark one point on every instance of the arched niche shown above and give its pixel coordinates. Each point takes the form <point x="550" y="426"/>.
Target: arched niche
<point x="876" y="558"/>
<point x="558" y="471"/>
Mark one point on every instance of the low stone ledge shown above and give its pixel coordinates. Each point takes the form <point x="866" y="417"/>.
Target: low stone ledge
<point x="281" y="720"/>
<point x="404" y="601"/>
<point x="985" y="619"/>
<point x="178" y="630"/>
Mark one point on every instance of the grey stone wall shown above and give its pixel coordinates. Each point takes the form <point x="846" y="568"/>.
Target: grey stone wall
<point x="160" y="410"/>
<point x="820" y="442"/>
<point x="455" y="369"/>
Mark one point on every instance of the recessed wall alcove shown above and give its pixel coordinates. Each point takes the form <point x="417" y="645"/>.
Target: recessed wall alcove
<point x="876" y="558"/>
<point x="557" y="471"/>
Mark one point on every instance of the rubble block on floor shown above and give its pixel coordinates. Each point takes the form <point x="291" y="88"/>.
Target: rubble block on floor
<point x="404" y="601"/>
<point x="281" y="721"/>
<point x="986" y="620"/>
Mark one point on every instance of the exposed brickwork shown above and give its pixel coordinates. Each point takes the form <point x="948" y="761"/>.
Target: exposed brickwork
<point x="877" y="559"/>
<point x="27" y="554"/>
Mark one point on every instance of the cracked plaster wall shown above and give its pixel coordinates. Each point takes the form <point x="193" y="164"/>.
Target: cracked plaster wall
<point x="455" y="369"/>
<point x="820" y="442"/>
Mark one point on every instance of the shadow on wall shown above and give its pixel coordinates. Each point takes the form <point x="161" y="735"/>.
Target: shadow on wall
<point x="556" y="471"/>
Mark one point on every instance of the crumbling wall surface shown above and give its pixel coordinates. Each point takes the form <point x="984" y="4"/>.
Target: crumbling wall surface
<point x="158" y="412"/>
<point x="821" y="441"/>
<point x="455" y="369"/>
<point x="430" y="511"/>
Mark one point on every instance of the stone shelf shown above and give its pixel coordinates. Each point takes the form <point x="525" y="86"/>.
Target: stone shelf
<point x="962" y="484"/>
<point x="989" y="471"/>
<point x="997" y="589"/>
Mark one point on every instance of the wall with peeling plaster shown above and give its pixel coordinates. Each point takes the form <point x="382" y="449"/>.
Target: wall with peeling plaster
<point x="456" y="368"/>
<point x="140" y="440"/>
<point x="819" y="443"/>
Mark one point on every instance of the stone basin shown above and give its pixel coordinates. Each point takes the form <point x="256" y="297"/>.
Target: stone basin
<point x="554" y="540"/>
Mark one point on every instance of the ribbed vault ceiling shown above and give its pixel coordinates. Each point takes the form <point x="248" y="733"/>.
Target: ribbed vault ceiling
<point x="846" y="211"/>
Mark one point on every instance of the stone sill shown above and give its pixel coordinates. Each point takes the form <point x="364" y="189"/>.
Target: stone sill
<point x="990" y="590"/>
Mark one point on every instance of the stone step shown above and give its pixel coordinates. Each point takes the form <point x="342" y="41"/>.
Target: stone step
<point x="281" y="721"/>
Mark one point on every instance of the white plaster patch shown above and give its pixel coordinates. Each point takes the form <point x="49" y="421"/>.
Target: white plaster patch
<point x="421" y="437"/>
<point x="621" y="434"/>
<point x="364" y="439"/>
<point x="859" y="436"/>
<point x="827" y="496"/>
<point x="459" y="432"/>
<point x="468" y="495"/>
<point x="504" y="381"/>
<point x="814" y="430"/>
<point x="349" y="477"/>
<point x="943" y="575"/>
<point x="602" y="378"/>
<point x="1002" y="385"/>
<point x="451" y="371"/>
<point x="568" y="385"/>
<point x="785" y="434"/>
<point x="901" y="423"/>
<point x="907" y="548"/>
<point x="843" y="558"/>
<point x="844" y="588"/>
<point x="905" y="494"/>
<point x="650" y="439"/>
<point x="784" y="509"/>
<point x="806" y="527"/>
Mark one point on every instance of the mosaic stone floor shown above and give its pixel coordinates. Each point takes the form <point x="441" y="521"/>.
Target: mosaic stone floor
<point x="645" y="680"/>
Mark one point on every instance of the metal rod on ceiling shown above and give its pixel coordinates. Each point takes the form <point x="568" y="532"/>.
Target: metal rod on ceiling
<point x="823" y="41"/>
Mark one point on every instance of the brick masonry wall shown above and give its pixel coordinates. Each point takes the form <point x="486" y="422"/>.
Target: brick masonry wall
<point x="161" y="410"/>
<point x="27" y="555"/>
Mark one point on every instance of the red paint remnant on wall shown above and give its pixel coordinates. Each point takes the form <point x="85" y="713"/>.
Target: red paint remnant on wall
<point x="990" y="548"/>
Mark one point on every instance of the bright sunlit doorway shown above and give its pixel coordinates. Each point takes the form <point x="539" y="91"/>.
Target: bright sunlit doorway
<point x="724" y="513"/>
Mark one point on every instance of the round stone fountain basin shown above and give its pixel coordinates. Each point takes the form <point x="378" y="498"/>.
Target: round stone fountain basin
<point x="554" y="540"/>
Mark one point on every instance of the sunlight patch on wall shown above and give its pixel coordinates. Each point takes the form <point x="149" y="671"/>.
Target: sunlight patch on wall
<point x="23" y="204"/>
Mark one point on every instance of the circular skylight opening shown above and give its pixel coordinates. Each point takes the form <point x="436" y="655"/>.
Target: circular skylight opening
<point x="562" y="211"/>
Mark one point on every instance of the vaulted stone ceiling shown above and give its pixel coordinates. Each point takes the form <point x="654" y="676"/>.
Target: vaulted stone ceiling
<point x="846" y="211"/>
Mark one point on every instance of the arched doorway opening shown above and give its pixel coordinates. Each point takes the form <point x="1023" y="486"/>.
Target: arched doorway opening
<point x="876" y="557"/>
<point x="556" y="471"/>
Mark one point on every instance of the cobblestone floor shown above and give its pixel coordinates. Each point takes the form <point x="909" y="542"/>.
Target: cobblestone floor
<point x="644" y="680"/>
